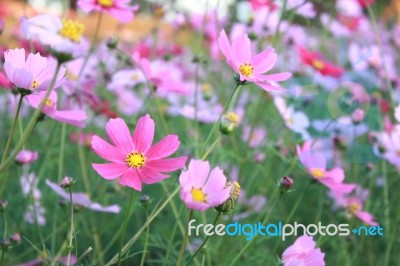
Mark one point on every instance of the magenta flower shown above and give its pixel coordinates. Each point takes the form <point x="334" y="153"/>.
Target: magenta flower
<point x="132" y="158"/>
<point x="34" y="73"/>
<point x="315" y="163"/>
<point x="73" y="117"/>
<point x="250" y="68"/>
<point x="303" y="253"/>
<point x="355" y="207"/>
<point x="119" y="9"/>
<point x="201" y="189"/>
<point x="26" y="157"/>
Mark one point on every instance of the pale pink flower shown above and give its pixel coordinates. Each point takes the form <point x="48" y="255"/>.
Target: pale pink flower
<point x="250" y="68"/>
<point x="132" y="158"/>
<point x="202" y="189"/>
<point x="73" y="117"/>
<point x="391" y="144"/>
<point x="119" y="9"/>
<point x="33" y="74"/>
<point x="26" y="157"/>
<point x="315" y="163"/>
<point x="62" y="35"/>
<point x="257" y="138"/>
<point x="303" y="252"/>
<point x="82" y="199"/>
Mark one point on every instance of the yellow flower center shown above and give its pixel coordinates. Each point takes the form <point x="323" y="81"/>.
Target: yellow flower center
<point x="354" y="207"/>
<point x="318" y="64"/>
<point x="135" y="77"/>
<point x="35" y="83"/>
<point x="105" y="3"/>
<point x="206" y="87"/>
<point x="48" y="102"/>
<point x="246" y="70"/>
<point x="318" y="173"/>
<point x="198" y="195"/>
<point x="71" y="30"/>
<point x="135" y="160"/>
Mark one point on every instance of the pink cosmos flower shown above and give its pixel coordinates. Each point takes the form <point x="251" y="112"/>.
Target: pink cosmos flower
<point x="119" y="9"/>
<point x="319" y="63"/>
<point x="26" y="157"/>
<point x="73" y="117"/>
<point x="315" y="163"/>
<point x="34" y="73"/>
<point x="81" y="199"/>
<point x="132" y="158"/>
<point x="250" y="68"/>
<point x="62" y="35"/>
<point x="201" y="189"/>
<point x="391" y="144"/>
<point x="303" y="252"/>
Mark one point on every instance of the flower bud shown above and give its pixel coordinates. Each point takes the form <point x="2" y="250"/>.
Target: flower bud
<point x="67" y="182"/>
<point x="207" y="91"/>
<point x="228" y="123"/>
<point x="225" y="207"/>
<point x="3" y="205"/>
<point x="144" y="199"/>
<point x="112" y="43"/>
<point x="286" y="183"/>
<point x="358" y="115"/>
<point x="15" y="238"/>
<point x="253" y="36"/>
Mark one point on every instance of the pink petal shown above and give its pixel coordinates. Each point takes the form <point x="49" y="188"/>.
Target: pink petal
<point x="164" y="148"/>
<point x="273" y="77"/>
<point x="224" y="45"/>
<point x="110" y="171"/>
<point x="264" y="61"/>
<point x="151" y="176"/>
<point x="118" y="132"/>
<point x="241" y="47"/>
<point x="167" y="165"/>
<point x="107" y="151"/>
<point x="336" y="174"/>
<point x="131" y="179"/>
<point x="268" y="87"/>
<point x="144" y="134"/>
<point x="198" y="172"/>
<point x="75" y="118"/>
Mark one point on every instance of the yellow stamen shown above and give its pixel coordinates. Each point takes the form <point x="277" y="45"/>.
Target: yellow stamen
<point x="318" y="173"/>
<point x="246" y="70"/>
<point x="35" y="84"/>
<point x="135" y="77"/>
<point x="105" y="3"/>
<point x="354" y="207"/>
<point x="71" y="30"/>
<point x="318" y="64"/>
<point x="48" y="102"/>
<point x="235" y="190"/>
<point x="198" y="195"/>
<point x="135" y="160"/>
<point x="206" y="87"/>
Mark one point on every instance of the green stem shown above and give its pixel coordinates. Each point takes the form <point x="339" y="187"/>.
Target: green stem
<point x="62" y="149"/>
<point x="146" y="240"/>
<point x="121" y="242"/>
<point x="211" y="148"/>
<point x="10" y="137"/>
<point x="71" y="229"/>
<point x="185" y="239"/>
<point x="213" y="129"/>
<point x="205" y="240"/>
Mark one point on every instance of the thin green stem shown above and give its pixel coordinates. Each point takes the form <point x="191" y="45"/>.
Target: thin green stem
<point x="217" y="140"/>
<point x="205" y="240"/>
<point x="213" y="129"/>
<point x="146" y="241"/>
<point x="121" y="242"/>
<point x="10" y="137"/>
<point x="71" y="229"/>
<point x="185" y="239"/>
<point x="62" y="150"/>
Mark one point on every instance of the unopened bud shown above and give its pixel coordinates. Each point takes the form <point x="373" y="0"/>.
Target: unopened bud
<point x="67" y="182"/>
<point x="358" y="115"/>
<point x="253" y="36"/>
<point x="144" y="199"/>
<point x="225" y="207"/>
<point x="3" y="205"/>
<point x="286" y="183"/>
<point x="4" y="244"/>
<point x="112" y="43"/>
<point x="207" y="91"/>
<point x="15" y="238"/>
<point x="228" y="123"/>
